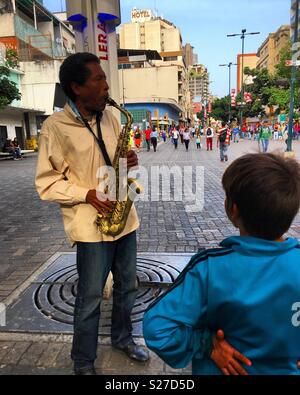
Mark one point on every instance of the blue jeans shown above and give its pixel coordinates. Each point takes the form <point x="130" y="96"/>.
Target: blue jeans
<point x="94" y="262"/>
<point x="265" y="144"/>
<point x="223" y="151"/>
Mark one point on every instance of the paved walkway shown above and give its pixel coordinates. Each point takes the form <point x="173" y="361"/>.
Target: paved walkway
<point x="32" y="231"/>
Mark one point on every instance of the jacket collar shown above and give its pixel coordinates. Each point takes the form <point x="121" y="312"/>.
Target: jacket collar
<point x="72" y="109"/>
<point x="248" y="245"/>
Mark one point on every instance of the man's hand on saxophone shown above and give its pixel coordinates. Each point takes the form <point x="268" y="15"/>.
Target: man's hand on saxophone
<point x="104" y="207"/>
<point x="132" y="159"/>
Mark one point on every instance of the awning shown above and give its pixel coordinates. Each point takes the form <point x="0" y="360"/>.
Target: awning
<point x="20" y="110"/>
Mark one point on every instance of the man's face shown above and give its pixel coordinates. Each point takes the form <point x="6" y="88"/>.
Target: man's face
<point x="94" y="92"/>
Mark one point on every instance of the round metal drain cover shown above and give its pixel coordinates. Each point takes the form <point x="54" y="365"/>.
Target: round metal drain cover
<point x="55" y="296"/>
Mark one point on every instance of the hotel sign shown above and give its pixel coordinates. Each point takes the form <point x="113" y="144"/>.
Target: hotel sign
<point x="141" y="16"/>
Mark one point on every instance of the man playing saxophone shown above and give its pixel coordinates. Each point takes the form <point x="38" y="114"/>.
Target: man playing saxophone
<point x="69" y="159"/>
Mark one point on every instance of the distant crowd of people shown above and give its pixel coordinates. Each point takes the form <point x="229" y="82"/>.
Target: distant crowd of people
<point x="204" y="137"/>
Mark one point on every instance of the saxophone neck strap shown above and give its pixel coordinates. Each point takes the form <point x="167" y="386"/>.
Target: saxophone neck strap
<point x="99" y="139"/>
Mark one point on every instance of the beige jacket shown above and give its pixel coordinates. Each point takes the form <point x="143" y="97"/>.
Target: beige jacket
<point x="69" y="158"/>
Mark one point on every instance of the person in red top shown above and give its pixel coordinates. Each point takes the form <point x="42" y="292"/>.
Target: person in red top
<point x="148" y="138"/>
<point x="244" y="130"/>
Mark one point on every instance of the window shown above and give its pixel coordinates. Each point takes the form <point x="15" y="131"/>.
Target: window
<point x="170" y="58"/>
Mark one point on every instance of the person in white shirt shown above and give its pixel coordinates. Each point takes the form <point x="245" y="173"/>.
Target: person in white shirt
<point x="186" y="138"/>
<point x="175" y="136"/>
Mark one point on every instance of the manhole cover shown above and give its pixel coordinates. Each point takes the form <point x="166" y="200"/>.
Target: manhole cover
<point x="48" y="303"/>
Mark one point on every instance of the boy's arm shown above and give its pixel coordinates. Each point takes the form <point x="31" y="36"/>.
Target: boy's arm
<point x="172" y="323"/>
<point x="171" y="326"/>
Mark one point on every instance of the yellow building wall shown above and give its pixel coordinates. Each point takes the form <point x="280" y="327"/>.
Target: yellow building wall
<point x="149" y="82"/>
<point x="250" y="60"/>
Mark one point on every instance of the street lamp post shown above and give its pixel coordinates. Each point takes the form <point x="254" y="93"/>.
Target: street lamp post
<point x="242" y="35"/>
<point x="229" y="65"/>
<point x="293" y="82"/>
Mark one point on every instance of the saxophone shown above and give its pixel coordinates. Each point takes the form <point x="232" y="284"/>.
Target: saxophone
<point x="114" y="223"/>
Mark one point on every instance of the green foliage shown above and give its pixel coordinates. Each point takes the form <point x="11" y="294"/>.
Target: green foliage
<point x="220" y="109"/>
<point x="267" y="90"/>
<point x="8" y="89"/>
<point x="12" y="60"/>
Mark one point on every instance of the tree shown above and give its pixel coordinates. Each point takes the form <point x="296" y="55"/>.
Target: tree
<point x="220" y="109"/>
<point x="8" y="89"/>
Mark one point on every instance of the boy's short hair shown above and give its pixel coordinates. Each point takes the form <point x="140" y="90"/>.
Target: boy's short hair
<point x="266" y="190"/>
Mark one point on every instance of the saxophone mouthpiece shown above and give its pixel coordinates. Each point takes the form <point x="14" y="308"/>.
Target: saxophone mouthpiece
<point x="110" y="101"/>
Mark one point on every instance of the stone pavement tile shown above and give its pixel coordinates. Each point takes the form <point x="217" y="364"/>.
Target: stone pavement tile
<point x="34" y="371"/>
<point x="49" y="356"/>
<point x="32" y="354"/>
<point x="15" y="353"/>
<point x="63" y="359"/>
<point x="118" y="362"/>
<point x="5" y="348"/>
<point x="6" y="369"/>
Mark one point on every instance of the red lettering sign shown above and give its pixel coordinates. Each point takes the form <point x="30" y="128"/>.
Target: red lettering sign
<point x="102" y="39"/>
<point x="102" y="42"/>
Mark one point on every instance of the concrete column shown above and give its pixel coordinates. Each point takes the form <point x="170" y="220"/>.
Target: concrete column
<point x="95" y="24"/>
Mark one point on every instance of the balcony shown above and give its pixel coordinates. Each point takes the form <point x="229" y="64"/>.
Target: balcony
<point x="33" y="45"/>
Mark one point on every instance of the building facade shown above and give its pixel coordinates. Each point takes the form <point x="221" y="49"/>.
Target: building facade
<point x="148" y="87"/>
<point x="269" y="51"/>
<point x="248" y="60"/>
<point x="199" y="81"/>
<point x="293" y="18"/>
<point x="41" y="42"/>
<point x="149" y="32"/>
<point x="188" y="55"/>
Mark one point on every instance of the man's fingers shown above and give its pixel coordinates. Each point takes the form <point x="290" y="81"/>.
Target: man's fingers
<point x="242" y="358"/>
<point x="220" y="335"/>
<point x="225" y="371"/>
<point x="231" y="370"/>
<point x="239" y="368"/>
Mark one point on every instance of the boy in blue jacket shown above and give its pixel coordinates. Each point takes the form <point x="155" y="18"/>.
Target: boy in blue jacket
<point x="250" y="287"/>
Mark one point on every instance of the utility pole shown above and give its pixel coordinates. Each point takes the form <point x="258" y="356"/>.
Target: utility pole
<point x="229" y="65"/>
<point x="242" y="35"/>
<point x="293" y="81"/>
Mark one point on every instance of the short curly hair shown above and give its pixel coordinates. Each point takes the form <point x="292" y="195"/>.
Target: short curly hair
<point x="74" y="69"/>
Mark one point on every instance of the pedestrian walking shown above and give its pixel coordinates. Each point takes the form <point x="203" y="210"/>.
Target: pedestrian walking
<point x="181" y="130"/>
<point x="186" y="138"/>
<point x="137" y="138"/>
<point x="265" y="134"/>
<point x="209" y="134"/>
<point x="154" y="137"/>
<point x="147" y="135"/>
<point x="175" y="137"/>
<point x="276" y="132"/>
<point x="198" y="141"/>
<point x="224" y="141"/>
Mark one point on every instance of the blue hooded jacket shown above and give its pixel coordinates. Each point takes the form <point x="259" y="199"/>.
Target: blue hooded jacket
<point x="249" y="288"/>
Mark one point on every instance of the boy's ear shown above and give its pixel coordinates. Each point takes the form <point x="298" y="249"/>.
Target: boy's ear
<point x="232" y="212"/>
